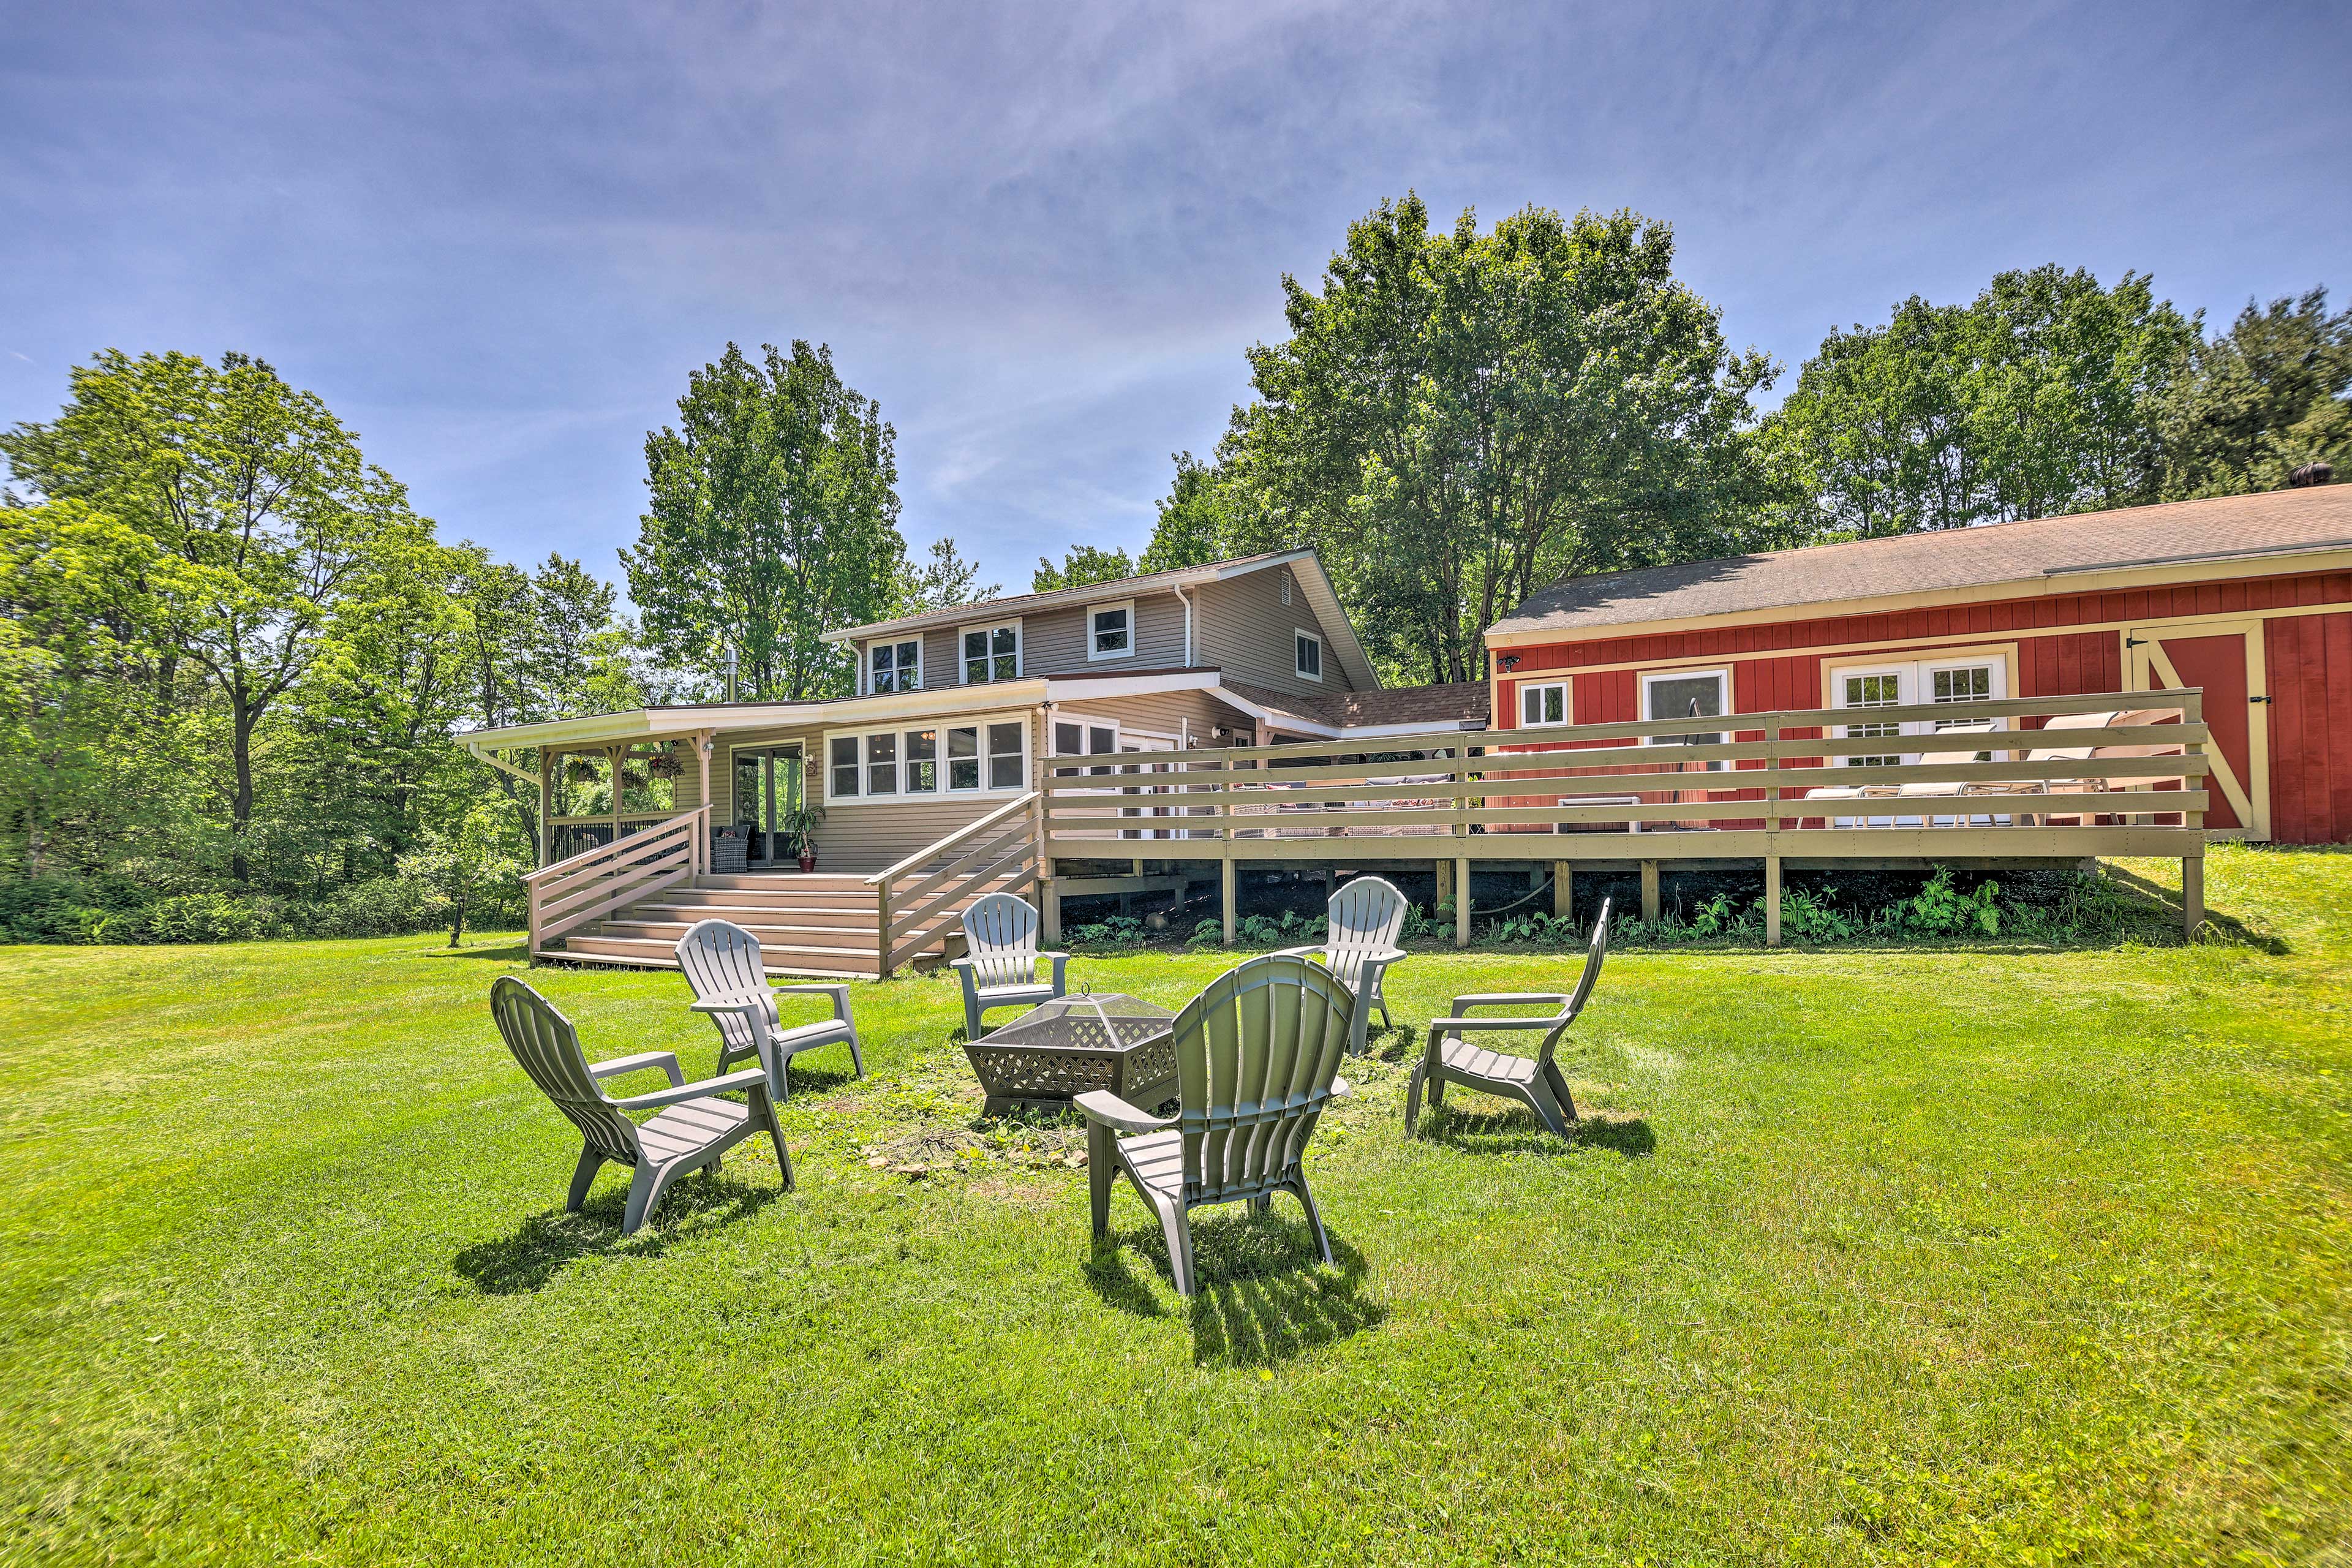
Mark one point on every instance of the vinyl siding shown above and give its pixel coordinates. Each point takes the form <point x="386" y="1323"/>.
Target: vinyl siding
<point x="1246" y="630"/>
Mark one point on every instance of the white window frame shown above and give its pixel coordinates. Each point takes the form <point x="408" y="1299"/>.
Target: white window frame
<point x="1301" y="635"/>
<point x="1917" y="685"/>
<point x="1536" y="687"/>
<point x="1907" y="691"/>
<point x="1095" y="655"/>
<point x="865" y="665"/>
<point x="942" y="757"/>
<point x="989" y="630"/>
<point x="1724" y="727"/>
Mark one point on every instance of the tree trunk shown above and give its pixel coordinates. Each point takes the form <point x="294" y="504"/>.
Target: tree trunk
<point x="241" y="801"/>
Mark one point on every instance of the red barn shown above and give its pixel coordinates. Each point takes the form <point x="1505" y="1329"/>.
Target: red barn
<point x="2247" y="597"/>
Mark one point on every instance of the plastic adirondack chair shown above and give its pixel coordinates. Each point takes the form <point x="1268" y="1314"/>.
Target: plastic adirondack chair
<point x="1366" y="917"/>
<point x="693" y="1128"/>
<point x="1537" y="1084"/>
<point x="1258" y="1059"/>
<point x="999" y="962"/>
<point x="723" y="963"/>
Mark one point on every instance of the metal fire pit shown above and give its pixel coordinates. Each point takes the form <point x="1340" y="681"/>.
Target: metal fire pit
<point x="1072" y="1044"/>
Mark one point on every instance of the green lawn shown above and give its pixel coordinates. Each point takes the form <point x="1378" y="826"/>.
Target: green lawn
<point x="1972" y="1255"/>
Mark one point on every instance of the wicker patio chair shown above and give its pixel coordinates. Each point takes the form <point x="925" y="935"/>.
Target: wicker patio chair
<point x="694" y="1127"/>
<point x="1536" y="1083"/>
<point x="1258" y="1059"/>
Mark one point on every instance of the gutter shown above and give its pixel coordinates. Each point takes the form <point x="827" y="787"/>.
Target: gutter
<point x="1186" y="600"/>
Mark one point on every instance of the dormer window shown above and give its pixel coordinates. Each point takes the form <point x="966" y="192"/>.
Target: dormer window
<point x="1310" y="662"/>
<point x="992" y="653"/>
<point x="893" y="667"/>
<point x="1110" y="630"/>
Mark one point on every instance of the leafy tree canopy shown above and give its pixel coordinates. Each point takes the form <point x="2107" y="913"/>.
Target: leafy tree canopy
<point x="1460" y="417"/>
<point x="2269" y="396"/>
<point x="1080" y="566"/>
<point x="772" y="516"/>
<point x="944" y="581"/>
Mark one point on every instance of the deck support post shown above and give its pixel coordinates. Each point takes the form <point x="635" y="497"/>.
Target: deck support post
<point x="612" y="755"/>
<point x="1225" y="888"/>
<point x="1462" y="901"/>
<point x="546" y="803"/>
<point x="2192" y="894"/>
<point x="1649" y="892"/>
<point x="882" y="920"/>
<point x="1563" y="889"/>
<point x="1771" y="901"/>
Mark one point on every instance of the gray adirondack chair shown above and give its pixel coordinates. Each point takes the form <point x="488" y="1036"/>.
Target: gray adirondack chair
<point x="1537" y="1084"/>
<point x="723" y="963"/>
<point x="1000" y="957"/>
<point x="693" y="1128"/>
<point x="1258" y="1059"/>
<point x="1366" y="917"/>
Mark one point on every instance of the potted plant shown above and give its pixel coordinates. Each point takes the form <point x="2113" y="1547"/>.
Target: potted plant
<point x="801" y="823"/>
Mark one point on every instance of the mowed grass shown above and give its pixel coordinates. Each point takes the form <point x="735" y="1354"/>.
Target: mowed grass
<point x="1865" y="1256"/>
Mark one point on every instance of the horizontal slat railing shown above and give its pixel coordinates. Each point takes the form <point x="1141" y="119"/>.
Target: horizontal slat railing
<point x="999" y="849"/>
<point x="597" y="882"/>
<point x="1765" y="769"/>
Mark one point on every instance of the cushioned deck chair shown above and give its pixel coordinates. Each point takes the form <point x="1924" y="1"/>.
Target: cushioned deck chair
<point x="999" y="968"/>
<point x="1366" y="917"/>
<point x="1536" y="1083"/>
<point x="723" y="963"/>
<point x="1258" y="1059"/>
<point x="694" y="1127"/>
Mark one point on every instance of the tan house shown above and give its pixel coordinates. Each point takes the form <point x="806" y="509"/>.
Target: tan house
<point x="928" y="776"/>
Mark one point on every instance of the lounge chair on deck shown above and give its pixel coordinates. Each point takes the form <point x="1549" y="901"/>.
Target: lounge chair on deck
<point x="999" y="968"/>
<point x="1258" y="1059"/>
<point x="1536" y="1083"/>
<point x="694" y="1127"/>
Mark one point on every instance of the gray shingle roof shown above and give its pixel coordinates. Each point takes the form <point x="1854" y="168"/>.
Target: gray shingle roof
<point x="2275" y="523"/>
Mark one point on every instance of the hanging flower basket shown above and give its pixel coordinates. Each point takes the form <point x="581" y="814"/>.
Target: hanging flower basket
<point x="580" y="771"/>
<point x="665" y="764"/>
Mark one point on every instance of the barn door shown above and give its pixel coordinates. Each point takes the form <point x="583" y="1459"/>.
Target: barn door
<point x="2225" y="658"/>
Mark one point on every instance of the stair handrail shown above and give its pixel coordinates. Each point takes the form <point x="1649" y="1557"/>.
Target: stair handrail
<point x="570" y="892"/>
<point x="886" y="954"/>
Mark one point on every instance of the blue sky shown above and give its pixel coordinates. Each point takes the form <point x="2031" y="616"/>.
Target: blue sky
<point x="497" y="238"/>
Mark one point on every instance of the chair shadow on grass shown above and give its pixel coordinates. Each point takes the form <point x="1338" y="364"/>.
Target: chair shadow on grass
<point x="549" y="1242"/>
<point x="1489" y="1126"/>
<point x="2220" y="927"/>
<point x="1261" y="1295"/>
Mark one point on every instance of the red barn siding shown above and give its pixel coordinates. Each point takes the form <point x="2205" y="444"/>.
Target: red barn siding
<point x="1774" y="667"/>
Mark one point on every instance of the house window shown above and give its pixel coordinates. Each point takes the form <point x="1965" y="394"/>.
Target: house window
<point x="882" y="764"/>
<point x="1684" y="694"/>
<point x="922" y="747"/>
<point x="1880" y="689"/>
<point x="1110" y="630"/>
<point x="992" y="653"/>
<point x="1543" y="704"/>
<point x="895" y="666"/>
<point x="1084" y="739"/>
<point x="844" y="754"/>
<point x="963" y="758"/>
<point x="1310" y="662"/>
<point x="1007" y="756"/>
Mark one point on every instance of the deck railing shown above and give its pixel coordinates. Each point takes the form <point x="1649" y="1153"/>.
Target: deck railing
<point x="1981" y="784"/>
<point x="998" y="852"/>
<point x="589" y="886"/>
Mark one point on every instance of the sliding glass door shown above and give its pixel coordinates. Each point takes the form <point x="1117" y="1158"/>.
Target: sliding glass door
<point x="767" y="792"/>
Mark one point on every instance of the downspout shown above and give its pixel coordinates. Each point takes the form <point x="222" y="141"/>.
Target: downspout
<point x="1187" y="603"/>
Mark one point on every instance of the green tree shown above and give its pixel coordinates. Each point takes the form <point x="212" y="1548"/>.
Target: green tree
<point x="773" y="517"/>
<point x="2261" y="400"/>
<point x="474" y="862"/>
<point x="260" y="507"/>
<point x="942" y="582"/>
<point x="1458" y="418"/>
<point x="1197" y="521"/>
<point x="2043" y="395"/>
<point x="1081" y="567"/>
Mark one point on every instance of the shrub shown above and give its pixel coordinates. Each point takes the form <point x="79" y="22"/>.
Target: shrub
<point x="1808" y="917"/>
<point x="1938" y="908"/>
<point x="382" y="906"/>
<point x="200" y="917"/>
<point x="1115" y="930"/>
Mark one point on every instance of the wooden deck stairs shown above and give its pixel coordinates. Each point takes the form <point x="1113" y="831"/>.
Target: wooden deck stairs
<point x="816" y="924"/>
